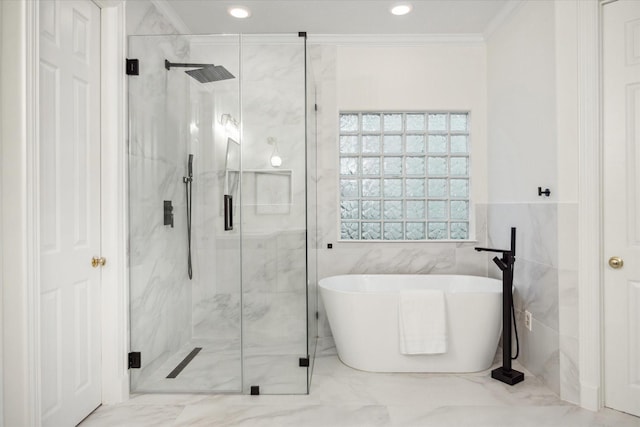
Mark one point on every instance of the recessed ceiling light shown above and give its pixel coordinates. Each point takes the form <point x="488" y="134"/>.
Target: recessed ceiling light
<point x="239" y="12"/>
<point x="401" y="9"/>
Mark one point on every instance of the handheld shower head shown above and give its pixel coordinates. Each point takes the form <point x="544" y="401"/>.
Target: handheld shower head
<point x="190" y="167"/>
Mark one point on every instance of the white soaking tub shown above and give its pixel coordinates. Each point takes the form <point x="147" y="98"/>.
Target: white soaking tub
<point x="362" y="310"/>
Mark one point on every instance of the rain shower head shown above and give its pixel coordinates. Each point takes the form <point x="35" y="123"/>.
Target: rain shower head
<point x="204" y="73"/>
<point x="210" y="73"/>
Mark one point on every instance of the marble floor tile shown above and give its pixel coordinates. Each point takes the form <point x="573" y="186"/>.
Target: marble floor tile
<point x="345" y="397"/>
<point x="134" y="416"/>
<point x="284" y="415"/>
<point x="506" y="416"/>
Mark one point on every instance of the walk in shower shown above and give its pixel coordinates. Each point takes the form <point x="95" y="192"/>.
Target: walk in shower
<point x="223" y="287"/>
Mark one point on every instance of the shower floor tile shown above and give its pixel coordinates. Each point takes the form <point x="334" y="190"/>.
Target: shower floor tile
<point x="341" y="396"/>
<point x="216" y="368"/>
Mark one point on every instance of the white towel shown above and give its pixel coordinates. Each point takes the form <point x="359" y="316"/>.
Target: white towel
<point x="422" y="322"/>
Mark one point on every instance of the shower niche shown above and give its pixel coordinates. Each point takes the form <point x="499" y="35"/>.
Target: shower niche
<point x="203" y="114"/>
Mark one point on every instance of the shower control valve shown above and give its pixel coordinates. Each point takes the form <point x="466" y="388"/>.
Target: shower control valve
<point x="168" y="213"/>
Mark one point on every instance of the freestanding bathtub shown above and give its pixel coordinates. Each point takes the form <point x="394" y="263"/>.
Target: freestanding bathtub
<point x="362" y="310"/>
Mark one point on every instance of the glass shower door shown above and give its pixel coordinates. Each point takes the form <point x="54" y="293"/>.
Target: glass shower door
<point x="184" y="203"/>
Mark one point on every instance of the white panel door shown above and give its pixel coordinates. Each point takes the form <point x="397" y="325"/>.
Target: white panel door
<point x="621" y="98"/>
<point x="69" y="139"/>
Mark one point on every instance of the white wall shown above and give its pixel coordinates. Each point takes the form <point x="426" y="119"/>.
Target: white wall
<point x="533" y="141"/>
<point x="442" y="76"/>
<point x="566" y="90"/>
<point x="439" y="76"/>
<point x="522" y="105"/>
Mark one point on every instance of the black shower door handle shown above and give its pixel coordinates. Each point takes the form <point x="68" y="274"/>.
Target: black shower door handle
<point x="228" y="212"/>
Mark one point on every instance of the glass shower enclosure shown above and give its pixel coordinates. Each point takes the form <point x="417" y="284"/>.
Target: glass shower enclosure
<point x="223" y="287"/>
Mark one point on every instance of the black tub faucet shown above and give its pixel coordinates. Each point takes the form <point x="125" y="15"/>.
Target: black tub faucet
<point x="505" y="373"/>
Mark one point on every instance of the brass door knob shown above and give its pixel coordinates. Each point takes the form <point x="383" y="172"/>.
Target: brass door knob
<point x="616" y="262"/>
<point x="98" y="262"/>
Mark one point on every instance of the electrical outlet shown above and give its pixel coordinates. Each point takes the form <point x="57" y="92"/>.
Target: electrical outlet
<point x="528" y="319"/>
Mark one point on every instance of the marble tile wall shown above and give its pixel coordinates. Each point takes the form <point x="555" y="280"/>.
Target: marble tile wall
<point x="274" y="233"/>
<point x="160" y="297"/>
<point x="568" y="301"/>
<point x="273" y="106"/>
<point x="216" y="269"/>
<point x="180" y="118"/>
<point x="143" y="18"/>
<point x="545" y="281"/>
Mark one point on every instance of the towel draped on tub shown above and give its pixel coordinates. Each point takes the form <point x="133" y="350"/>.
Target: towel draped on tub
<point x="422" y="322"/>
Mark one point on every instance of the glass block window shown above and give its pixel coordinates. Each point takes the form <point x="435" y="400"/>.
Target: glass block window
<point x="404" y="176"/>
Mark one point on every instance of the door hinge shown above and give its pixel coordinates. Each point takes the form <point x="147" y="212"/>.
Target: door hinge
<point x="317" y="315"/>
<point x="304" y="362"/>
<point x="135" y="360"/>
<point x="133" y="67"/>
<point x="315" y="107"/>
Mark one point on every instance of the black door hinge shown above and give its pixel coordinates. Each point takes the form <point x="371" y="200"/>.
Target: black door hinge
<point x="135" y="360"/>
<point x="315" y="107"/>
<point x="304" y="362"/>
<point x="133" y="67"/>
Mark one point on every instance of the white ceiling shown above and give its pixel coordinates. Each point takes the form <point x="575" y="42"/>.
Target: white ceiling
<point x="337" y="16"/>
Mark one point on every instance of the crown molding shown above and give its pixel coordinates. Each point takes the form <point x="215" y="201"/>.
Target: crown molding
<point x="393" y="39"/>
<point x="246" y="39"/>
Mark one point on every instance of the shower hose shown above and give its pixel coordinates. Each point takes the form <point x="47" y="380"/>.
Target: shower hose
<point x="515" y="327"/>
<point x="188" y="181"/>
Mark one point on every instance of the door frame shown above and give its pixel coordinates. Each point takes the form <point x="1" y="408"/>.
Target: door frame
<point x="20" y="322"/>
<point x="590" y="205"/>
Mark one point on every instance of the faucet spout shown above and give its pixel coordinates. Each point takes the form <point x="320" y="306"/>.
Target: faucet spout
<point x="491" y="250"/>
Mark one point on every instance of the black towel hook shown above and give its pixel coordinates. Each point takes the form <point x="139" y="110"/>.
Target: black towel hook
<point x="546" y="192"/>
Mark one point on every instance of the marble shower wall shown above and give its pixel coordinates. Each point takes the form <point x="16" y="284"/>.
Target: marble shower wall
<point x="216" y="269"/>
<point x="545" y="281"/>
<point x="174" y="116"/>
<point x="160" y="294"/>
<point x="274" y="213"/>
